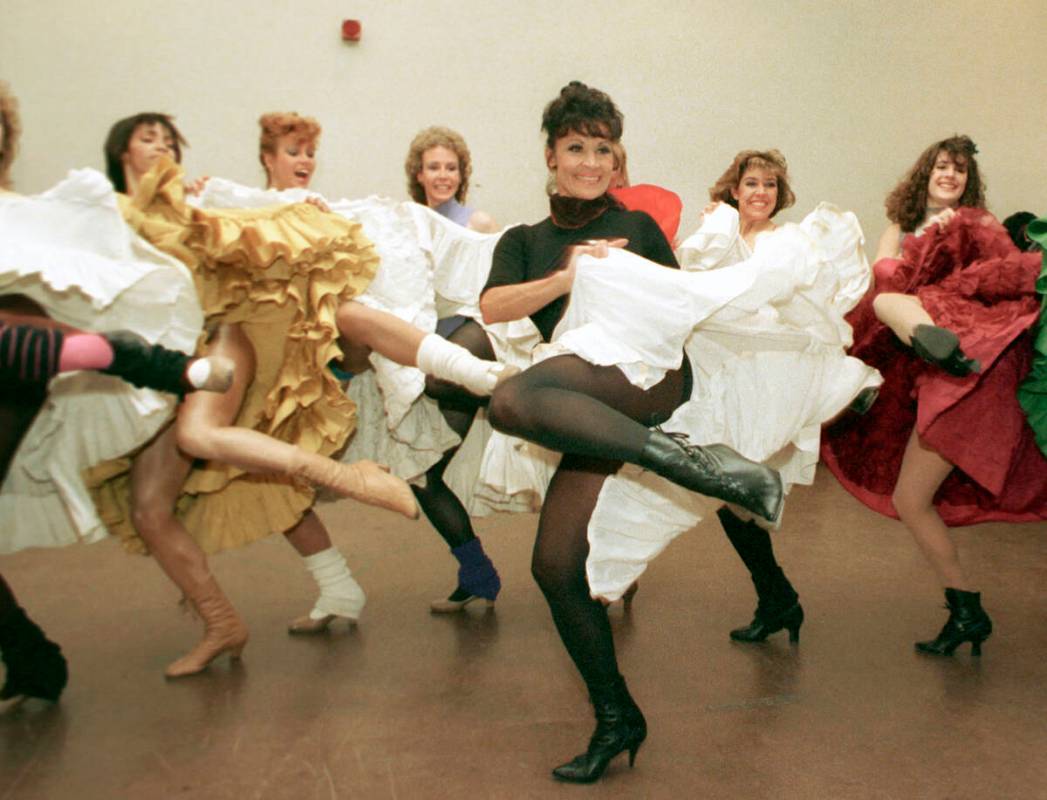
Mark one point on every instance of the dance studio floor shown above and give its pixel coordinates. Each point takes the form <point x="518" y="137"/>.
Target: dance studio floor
<point x="483" y="704"/>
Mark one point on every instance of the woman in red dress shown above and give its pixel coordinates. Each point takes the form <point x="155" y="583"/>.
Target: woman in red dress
<point x="947" y="325"/>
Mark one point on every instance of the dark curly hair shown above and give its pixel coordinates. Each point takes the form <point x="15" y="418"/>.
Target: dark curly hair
<point x="584" y="110"/>
<point x="119" y="138"/>
<point x="12" y="128"/>
<point x="771" y="160"/>
<point x="907" y="203"/>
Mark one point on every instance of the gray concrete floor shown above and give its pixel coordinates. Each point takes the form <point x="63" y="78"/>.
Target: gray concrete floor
<point x="482" y="705"/>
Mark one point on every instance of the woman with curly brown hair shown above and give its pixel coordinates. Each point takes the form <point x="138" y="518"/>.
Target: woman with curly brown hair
<point x="756" y="185"/>
<point x="947" y="325"/>
<point x="438" y="168"/>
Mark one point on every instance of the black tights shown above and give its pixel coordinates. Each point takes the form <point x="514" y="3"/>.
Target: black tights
<point x="598" y="419"/>
<point x="19" y="404"/>
<point x="440" y="505"/>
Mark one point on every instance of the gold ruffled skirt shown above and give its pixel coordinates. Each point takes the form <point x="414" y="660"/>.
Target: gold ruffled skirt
<point x="280" y="273"/>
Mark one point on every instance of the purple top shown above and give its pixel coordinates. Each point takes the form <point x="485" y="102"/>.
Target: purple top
<point x="455" y="212"/>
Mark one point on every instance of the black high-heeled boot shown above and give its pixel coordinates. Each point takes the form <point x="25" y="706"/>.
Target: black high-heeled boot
<point x="35" y="665"/>
<point x="778" y="605"/>
<point x="967" y="622"/>
<point x="620" y="726"/>
<point x="715" y="470"/>
<point x="771" y="617"/>
<point x="941" y="347"/>
<point x="153" y="366"/>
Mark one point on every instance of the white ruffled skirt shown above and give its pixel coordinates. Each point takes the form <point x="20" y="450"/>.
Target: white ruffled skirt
<point x="70" y="251"/>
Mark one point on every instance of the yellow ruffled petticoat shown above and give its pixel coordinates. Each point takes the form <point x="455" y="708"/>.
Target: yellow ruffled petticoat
<point x="281" y="273"/>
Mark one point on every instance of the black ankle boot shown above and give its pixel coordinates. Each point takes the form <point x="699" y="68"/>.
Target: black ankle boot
<point x="771" y="617"/>
<point x="967" y="622"/>
<point x="941" y="347"/>
<point x="620" y="726"/>
<point x="777" y="608"/>
<point x="715" y="470"/>
<point x="35" y="665"/>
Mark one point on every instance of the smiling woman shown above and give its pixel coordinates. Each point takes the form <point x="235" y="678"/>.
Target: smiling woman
<point x="288" y="149"/>
<point x="438" y="168"/>
<point x="591" y="412"/>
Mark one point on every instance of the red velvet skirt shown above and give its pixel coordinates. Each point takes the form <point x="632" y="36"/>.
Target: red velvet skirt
<point x="973" y="281"/>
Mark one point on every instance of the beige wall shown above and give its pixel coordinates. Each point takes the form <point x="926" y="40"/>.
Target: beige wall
<point x="849" y="91"/>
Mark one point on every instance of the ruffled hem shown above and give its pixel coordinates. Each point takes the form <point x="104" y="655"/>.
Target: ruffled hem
<point x="280" y="273"/>
<point x="70" y="251"/>
<point x="973" y="281"/>
<point x="770" y="326"/>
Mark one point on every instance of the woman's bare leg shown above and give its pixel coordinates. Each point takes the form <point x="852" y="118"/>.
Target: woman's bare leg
<point x="901" y="313"/>
<point x="922" y="472"/>
<point x="204" y="431"/>
<point x="380" y="331"/>
<point x="403" y="343"/>
<point x="157" y="476"/>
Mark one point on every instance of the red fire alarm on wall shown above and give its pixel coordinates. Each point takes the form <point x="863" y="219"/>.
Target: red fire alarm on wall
<point x="351" y="30"/>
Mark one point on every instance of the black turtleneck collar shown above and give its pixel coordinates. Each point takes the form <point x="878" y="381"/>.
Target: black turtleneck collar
<point x="573" y="212"/>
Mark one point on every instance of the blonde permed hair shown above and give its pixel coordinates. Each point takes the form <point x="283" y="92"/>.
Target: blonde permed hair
<point x="437" y="136"/>
<point x="280" y="123"/>
<point x="771" y="160"/>
<point x="12" y="127"/>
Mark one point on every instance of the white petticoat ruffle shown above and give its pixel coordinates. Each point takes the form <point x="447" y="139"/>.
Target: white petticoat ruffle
<point x="766" y="345"/>
<point x="70" y="250"/>
<point x="430" y="268"/>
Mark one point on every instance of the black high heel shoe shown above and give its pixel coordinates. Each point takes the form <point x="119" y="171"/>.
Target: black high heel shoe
<point x="620" y="727"/>
<point x="715" y="470"/>
<point x="768" y="621"/>
<point x="967" y="622"/>
<point x="941" y="347"/>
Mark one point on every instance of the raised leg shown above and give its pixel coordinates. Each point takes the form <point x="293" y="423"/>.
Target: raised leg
<point x="205" y="431"/>
<point x="405" y="344"/>
<point x="905" y="315"/>
<point x="901" y="313"/>
<point x="32" y="352"/>
<point x="569" y="405"/>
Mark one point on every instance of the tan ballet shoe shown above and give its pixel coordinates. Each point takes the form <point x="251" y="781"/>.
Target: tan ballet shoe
<point x="224" y="631"/>
<point x="364" y="480"/>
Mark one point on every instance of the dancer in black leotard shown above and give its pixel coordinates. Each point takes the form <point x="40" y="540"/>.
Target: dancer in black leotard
<point x="593" y="414"/>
